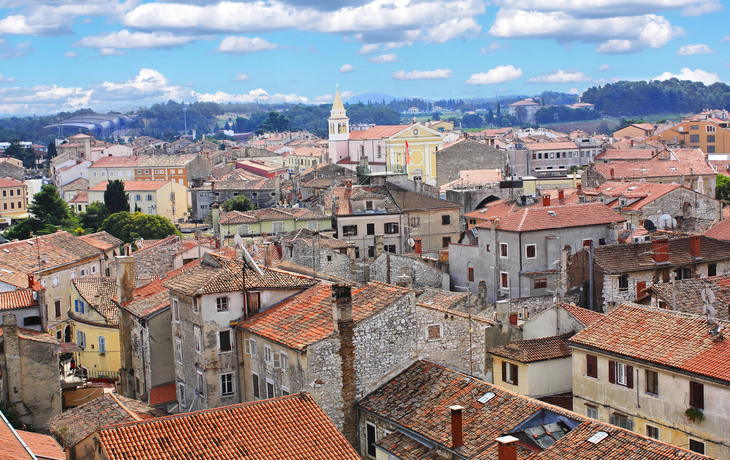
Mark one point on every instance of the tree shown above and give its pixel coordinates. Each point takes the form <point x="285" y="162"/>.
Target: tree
<point x="722" y="189"/>
<point x="96" y="213"/>
<point x="115" y="198"/>
<point x="238" y="203"/>
<point x="130" y="227"/>
<point x="52" y="150"/>
<point x="472" y="121"/>
<point x="48" y="206"/>
<point x="436" y="116"/>
<point x="521" y="114"/>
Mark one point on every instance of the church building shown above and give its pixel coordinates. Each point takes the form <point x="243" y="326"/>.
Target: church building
<point x="394" y="149"/>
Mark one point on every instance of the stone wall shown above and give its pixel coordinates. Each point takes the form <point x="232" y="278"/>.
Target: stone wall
<point x="10" y="170"/>
<point x="156" y="260"/>
<point x="685" y="203"/>
<point x="387" y="267"/>
<point x="466" y="155"/>
<point x="325" y="260"/>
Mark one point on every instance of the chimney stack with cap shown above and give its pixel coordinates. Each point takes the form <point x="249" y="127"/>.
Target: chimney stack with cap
<point x="507" y="448"/>
<point x="457" y="429"/>
<point x="613" y="173"/>
<point x="418" y="245"/>
<point x="561" y="194"/>
<point x="345" y="329"/>
<point x="660" y="251"/>
<point x="546" y="200"/>
<point x="695" y="247"/>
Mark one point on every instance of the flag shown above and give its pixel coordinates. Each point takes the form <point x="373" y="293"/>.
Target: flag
<point x="408" y="156"/>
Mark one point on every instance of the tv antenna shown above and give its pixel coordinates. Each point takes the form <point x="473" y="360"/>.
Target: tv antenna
<point x="708" y="298"/>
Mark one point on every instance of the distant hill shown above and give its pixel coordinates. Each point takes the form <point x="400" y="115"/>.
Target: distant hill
<point x="372" y="96"/>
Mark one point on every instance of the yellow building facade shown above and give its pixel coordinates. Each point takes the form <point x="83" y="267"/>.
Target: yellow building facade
<point x="13" y="200"/>
<point x="712" y="136"/>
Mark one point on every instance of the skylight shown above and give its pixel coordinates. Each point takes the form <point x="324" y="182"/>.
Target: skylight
<point x="486" y="398"/>
<point x="598" y="437"/>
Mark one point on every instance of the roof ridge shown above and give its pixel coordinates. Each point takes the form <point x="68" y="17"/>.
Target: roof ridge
<point x="131" y="414"/>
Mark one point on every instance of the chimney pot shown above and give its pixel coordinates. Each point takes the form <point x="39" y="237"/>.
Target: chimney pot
<point x="561" y="194"/>
<point x="457" y="433"/>
<point x="507" y="448"/>
<point x="695" y="247"/>
<point x="418" y="246"/>
<point x="513" y="319"/>
<point x="613" y="174"/>
<point x="342" y="308"/>
<point x="546" y="200"/>
<point x="660" y="251"/>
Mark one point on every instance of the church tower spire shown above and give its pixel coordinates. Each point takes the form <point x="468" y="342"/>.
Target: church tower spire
<point x="339" y="130"/>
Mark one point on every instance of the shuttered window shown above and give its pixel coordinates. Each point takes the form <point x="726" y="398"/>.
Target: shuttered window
<point x="592" y="366"/>
<point x="697" y="395"/>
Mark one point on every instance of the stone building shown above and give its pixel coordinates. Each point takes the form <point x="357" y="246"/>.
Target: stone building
<point x="387" y="267"/>
<point x="343" y="345"/>
<point x="324" y="253"/>
<point x="25" y="305"/>
<point x="207" y="301"/>
<point x="262" y="192"/>
<point x="10" y="167"/>
<point x="466" y="154"/>
<point x="155" y="258"/>
<point x="29" y="365"/>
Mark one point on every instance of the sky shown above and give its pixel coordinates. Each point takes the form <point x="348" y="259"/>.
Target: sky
<point x="61" y="55"/>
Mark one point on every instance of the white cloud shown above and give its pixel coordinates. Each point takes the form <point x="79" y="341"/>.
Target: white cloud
<point x="499" y="74"/>
<point x="7" y="80"/>
<point x="438" y="74"/>
<point x="703" y="8"/>
<point x="560" y="76"/>
<point x="494" y="46"/>
<point x="604" y="68"/>
<point x="602" y="8"/>
<point x="573" y="91"/>
<point x="111" y="52"/>
<point x="325" y="98"/>
<point x="70" y="55"/>
<point x="125" y="39"/>
<point x="369" y="48"/>
<point x="346" y="95"/>
<point x="454" y="28"/>
<point x="18" y="50"/>
<point x="619" y="34"/>
<point x="244" y="45"/>
<point x="347" y="68"/>
<point x="726" y="39"/>
<point x="242" y="77"/>
<point x="256" y="95"/>
<point x="689" y="50"/>
<point x="384" y="58"/>
<point x="692" y="75"/>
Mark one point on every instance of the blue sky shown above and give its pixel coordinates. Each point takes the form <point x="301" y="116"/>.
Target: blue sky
<point x="109" y="54"/>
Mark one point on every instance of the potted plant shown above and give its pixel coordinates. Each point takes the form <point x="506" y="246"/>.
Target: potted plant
<point x="694" y="415"/>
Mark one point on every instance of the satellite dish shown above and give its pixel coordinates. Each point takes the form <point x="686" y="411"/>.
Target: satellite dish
<point x="708" y="297"/>
<point x="666" y="221"/>
<point x="559" y="295"/>
<point x="649" y="225"/>
<point x="239" y="241"/>
<point x="247" y="259"/>
<point x="411" y="242"/>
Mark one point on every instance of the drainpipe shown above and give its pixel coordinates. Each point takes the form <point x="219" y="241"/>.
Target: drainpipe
<point x="591" y="283"/>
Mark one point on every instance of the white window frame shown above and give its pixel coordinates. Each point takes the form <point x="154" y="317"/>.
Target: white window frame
<point x="102" y="344"/>
<point x="278" y="226"/>
<point x="621" y="378"/>
<point x="231" y="382"/>
<point x="81" y="339"/>
<point x="176" y="310"/>
<point x="220" y="302"/>
<point x="500" y="280"/>
<point x="178" y="351"/>
<point x="285" y="391"/>
<point x="198" y="339"/>
<point x="268" y="355"/>
<point x="506" y="246"/>
<point x="696" y="439"/>
<point x="589" y="410"/>
<point x="252" y="346"/>
<point x="200" y="380"/>
<point x="149" y="198"/>
<point x="530" y="245"/>
<point x="658" y="432"/>
<point x="230" y="340"/>
<point x="273" y="389"/>
<point x="94" y="269"/>
<point x="182" y="398"/>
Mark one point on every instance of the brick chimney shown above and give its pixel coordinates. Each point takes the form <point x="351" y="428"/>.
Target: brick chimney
<point x="345" y="329"/>
<point x="612" y="173"/>
<point x="30" y="280"/>
<point x="660" y="251"/>
<point x="561" y="194"/>
<point x="457" y="430"/>
<point x="418" y="245"/>
<point x="546" y="200"/>
<point x="348" y="184"/>
<point x="694" y="246"/>
<point x="125" y="293"/>
<point x="507" y="448"/>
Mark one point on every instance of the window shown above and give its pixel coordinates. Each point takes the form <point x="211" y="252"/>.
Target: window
<point x="102" y="344"/>
<point x="530" y="251"/>
<point x="370" y="229"/>
<point x="433" y="332"/>
<point x="446" y="219"/>
<point x="592" y="367"/>
<point x="694" y="138"/>
<point x="391" y="228"/>
<point x="250" y="347"/>
<point x="470" y="270"/>
<point x="602" y="241"/>
<point x="278" y="227"/>
<point x="349" y="230"/>
<point x="623" y="282"/>
<point x="111" y="173"/>
<point x="269" y="389"/>
<point x="503" y="249"/>
<point x="711" y="139"/>
<point x="592" y="411"/>
<point x="285" y="391"/>
<point x="178" y="351"/>
<point x="176" y="310"/>
<point x="103" y="174"/>
<point x="709" y="129"/>
<point x="221" y="304"/>
<point x="81" y="339"/>
<point x="57" y="305"/>
<point x="198" y="340"/>
<point x="12" y="205"/>
<point x="503" y="280"/>
<point x="281" y="361"/>
<point x="253" y="302"/>
<point x="268" y="355"/>
<point x="200" y="385"/>
<point x="181" y="390"/>
<point x="32" y="321"/>
<point x="620" y="420"/>
<point x="540" y="283"/>
<point x="711" y="269"/>
<point x="652" y="383"/>
<point x="227" y="385"/>
<point x="368" y="205"/>
<point x="313" y="225"/>
<point x="445" y="241"/>
<point x="696" y="395"/>
<point x="149" y="197"/>
<point x="652" y="432"/>
<point x="697" y="446"/>
<point x="415" y="221"/>
<point x="510" y="373"/>
<point x="370" y="439"/>
<point x="621" y="374"/>
<point x="224" y="341"/>
<point x="256" y="390"/>
<point x="711" y="148"/>
<point x="389" y="248"/>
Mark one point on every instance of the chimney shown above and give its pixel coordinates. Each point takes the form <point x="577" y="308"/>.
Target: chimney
<point x="660" y="251"/>
<point x="507" y="448"/>
<point x="513" y="319"/>
<point x="13" y="363"/>
<point x="561" y="194"/>
<point x="613" y="173"/>
<point x="379" y="239"/>
<point x="694" y="246"/>
<point x="215" y="213"/>
<point x="503" y="311"/>
<point x="30" y="280"/>
<point x="418" y="246"/>
<point x="632" y="142"/>
<point x="404" y="281"/>
<point x="546" y="200"/>
<point x="579" y="185"/>
<point x="125" y="278"/>
<point x="345" y="329"/>
<point x="342" y="309"/>
<point x="348" y="184"/>
<point x="267" y="254"/>
<point x="457" y="432"/>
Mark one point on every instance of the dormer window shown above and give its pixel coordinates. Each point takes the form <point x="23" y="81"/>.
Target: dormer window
<point x="622" y="201"/>
<point x="369" y="205"/>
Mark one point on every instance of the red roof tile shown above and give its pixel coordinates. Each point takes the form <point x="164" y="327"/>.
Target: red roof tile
<point x="378" y="132"/>
<point x="720" y="231"/>
<point x="11" y="447"/>
<point x="19" y="298"/>
<point x="287" y="428"/>
<point x="528" y="351"/>
<point x="102" y="240"/>
<point x="552" y="217"/>
<point x="43" y="446"/>
<point x="672" y="339"/>
<point x="540" y="146"/>
<point x="82" y="197"/>
<point x="690" y="162"/>
<point x="10" y="182"/>
<point x="585" y="316"/>
<point x="133" y="185"/>
<point x="163" y="394"/>
<point x="117" y="162"/>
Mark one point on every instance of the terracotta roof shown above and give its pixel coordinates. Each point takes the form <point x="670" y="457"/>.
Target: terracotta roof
<point x="144" y="244"/>
<point x="10" y="182"/>
<point x="402" y="446"/>
<point x="117" y="162"/>
<point x="104" y="289"/>
<point x="378" y="132"/>
<point x="644" y="192"/>
<point x="720" y="231"/>
<point x="107" y="409"/>
<point x="76" y="184"/>
<point x="133" y="185"/>
<point x="524" y="102"/>
<point x="688" y="294"/>
<point x="179" y="161"/>
<point x="632" y="257"/>
<point x="306" y="318"/>
<point x="529" y="351"/>
<point x="418" y="401"/>
<point x="306" y="236"/>
<point x="585" y="316"/>
<point x="102" y="240"/>
<point x="82" y="197"/>
<point x="30" y="334"/>
<point x="21" y="257"/>
<point x="691" y="162"/>
<point x="287" y="428"/>
<point x="153" y="296"/>
<point x="626" y="154"/>
<point x="11" y="448"/>
<point x="552" y="217"/>
<point x="220" y="274"/>
<point x="163" y="394"/>
<point x="499" y="208"/>
<point x="438" y="298"/>
<point x="535" y="146"/>
<point x="237" y="217"/>
<point x="44" y="447"/>
<point x="667" y="338"/>
<point x="19" y="298"/>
